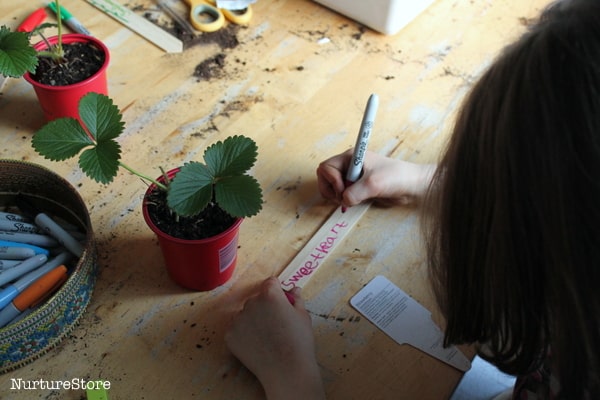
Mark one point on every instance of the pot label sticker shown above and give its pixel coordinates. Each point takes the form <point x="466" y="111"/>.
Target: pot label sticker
<point x="405" y="320"/>
<point x="227" y="255"/>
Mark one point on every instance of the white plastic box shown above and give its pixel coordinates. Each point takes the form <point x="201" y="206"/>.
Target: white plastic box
<point x="385" y="16"/>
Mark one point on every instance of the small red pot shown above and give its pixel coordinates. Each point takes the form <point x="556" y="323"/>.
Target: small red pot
<point x="202" y="264"/>
<point x="63" y="101"/>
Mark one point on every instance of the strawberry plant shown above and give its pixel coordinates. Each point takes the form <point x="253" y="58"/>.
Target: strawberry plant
<point x="222" y="179"/>
<point x="17" y="55"/>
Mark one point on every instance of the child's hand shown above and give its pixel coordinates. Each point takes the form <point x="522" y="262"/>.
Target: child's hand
<point x="384" y="179"/>
<point x="274" y="339"/>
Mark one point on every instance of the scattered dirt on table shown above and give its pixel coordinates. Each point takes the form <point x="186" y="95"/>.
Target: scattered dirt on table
<point x="210" y="68"/>
<point x="348" y="35"/>
<point x="242" y="104"/>
<point x="213" y="67"/>
<point x="336" y="318"/>
<point x="168" y="26"/>
<point x="358" y="35"/>
<point x="290" y="187"/>
<point x="225" y="38"/>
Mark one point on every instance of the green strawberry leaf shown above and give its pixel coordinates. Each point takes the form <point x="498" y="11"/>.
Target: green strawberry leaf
<point x="101" y="116"/>
<point x="17" y="56"/>
<point x="239" y="196"/>
<point x="100" y="163"/>
<point x="191" y="189"/>
<point x="61" y="139"/>
<point x="233" y="156"/>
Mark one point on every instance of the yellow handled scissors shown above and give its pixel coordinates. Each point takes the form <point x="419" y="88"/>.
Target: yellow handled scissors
<point x="206" y="17"/>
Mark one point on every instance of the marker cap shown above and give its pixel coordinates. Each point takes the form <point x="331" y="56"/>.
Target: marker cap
<point x="33" y="20"/>
<point x="63" y="11"/>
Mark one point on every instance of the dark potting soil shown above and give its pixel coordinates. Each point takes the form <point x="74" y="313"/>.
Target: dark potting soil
<point x="212" y="221"/>
<point x="82" y="60"/>
<point x="210" y="68"/>
<point x="225" y="38"/>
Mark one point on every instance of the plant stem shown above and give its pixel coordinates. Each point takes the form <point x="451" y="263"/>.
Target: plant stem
<point x="144" y="177"/>
<point x="58" y="16"/>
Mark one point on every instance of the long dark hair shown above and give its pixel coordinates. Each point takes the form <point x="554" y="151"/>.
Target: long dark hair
<point x="513" y="213"/>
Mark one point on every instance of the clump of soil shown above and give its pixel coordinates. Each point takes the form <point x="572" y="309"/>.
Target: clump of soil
<point x="360" y="33"/>
<point x="225" y="38"/>
<point x="210" y="68"/>
<point x="210" y="222"/>
<point x="81" y="61"/>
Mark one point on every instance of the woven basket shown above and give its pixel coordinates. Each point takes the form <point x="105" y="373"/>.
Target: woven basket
<point x="23" y="341"/>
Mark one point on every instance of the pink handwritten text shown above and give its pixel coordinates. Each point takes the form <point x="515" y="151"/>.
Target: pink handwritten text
<point x="318" y="253"/>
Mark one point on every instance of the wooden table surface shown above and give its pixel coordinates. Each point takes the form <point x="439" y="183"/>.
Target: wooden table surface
<point x="297" y="82"/>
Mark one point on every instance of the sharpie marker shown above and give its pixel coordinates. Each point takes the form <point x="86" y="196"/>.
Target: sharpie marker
<point x="18" y="226"/>
<point x="362" y="141"/>
<point x="24" y="267"/>
<point x="6" y="218"/>
<point x="11" y="291"/>
<point x="35" y="293"/>
<point x="29" y="238"/>
<point x="36" y="249"/>
<point x="57" y="232"/>
<point x="69" y="19"/>
<point x="13" y="217"/>
<point x="33" y="20"/>
<point x="47" y="225"/>
<point x="15" y="253"/>
<point x="6" y="264"/>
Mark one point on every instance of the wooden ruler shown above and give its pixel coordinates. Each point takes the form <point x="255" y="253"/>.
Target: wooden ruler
<point x="140" y="25"/>
<point x="320" y="246"/>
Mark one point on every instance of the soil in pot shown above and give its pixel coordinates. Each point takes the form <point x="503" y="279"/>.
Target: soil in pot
<point x="210" y="222"/>
<point x="82" y="60"/>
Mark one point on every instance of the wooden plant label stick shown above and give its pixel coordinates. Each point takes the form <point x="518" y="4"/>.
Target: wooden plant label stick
<point x="140" y="25"/>
<point x="321" y="245"/>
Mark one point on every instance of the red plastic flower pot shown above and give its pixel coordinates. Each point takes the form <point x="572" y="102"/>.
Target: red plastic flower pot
<point x="202" y="264"/>
<point x="63" y="101"/>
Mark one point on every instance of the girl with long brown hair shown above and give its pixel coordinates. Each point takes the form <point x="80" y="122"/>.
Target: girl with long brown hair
<point x="511" y="219"/>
